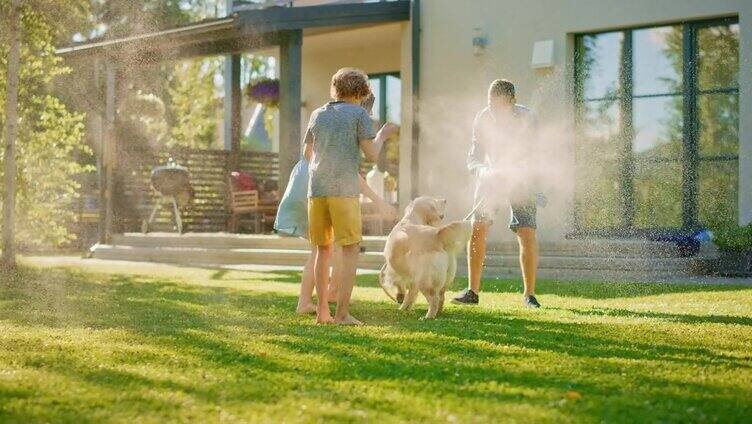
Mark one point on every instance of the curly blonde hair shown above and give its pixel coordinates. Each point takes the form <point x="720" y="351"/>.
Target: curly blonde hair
<point x="350" y="82"/>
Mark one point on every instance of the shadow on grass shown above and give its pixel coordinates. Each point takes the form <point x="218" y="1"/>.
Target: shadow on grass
<point x="454" y="356"/>
<point x="684" y="318"/>
<point x="588" y="290"/>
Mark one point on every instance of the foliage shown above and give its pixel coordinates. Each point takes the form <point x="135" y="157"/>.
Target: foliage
<point x="106" y="343"/>
<point x="193" y="103"/>
<point x="50" y="142"/>
<point x="116" y="18"/>
<point x="732" y="238"/>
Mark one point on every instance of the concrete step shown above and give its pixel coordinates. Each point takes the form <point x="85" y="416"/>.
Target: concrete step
<point x="204" y="256"/>
<point x="227" y="241"/>
<point x="373" y="260"/>
<point x="582" y="262"/>
<point x="582" y="274"/>
<point x="601" y="248"/>
<point x="608" y="248"/>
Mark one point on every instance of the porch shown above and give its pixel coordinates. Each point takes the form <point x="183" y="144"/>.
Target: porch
<point x="371" y="36"/>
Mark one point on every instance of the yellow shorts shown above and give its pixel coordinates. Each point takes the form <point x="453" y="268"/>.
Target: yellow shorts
<point x="334" y="219"/>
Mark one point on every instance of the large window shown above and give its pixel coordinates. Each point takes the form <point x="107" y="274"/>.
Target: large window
<point x="657" y="122"/>
<point x="387" y="107"/>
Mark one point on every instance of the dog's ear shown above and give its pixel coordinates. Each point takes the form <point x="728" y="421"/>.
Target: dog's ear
<point x="455" y="235"/>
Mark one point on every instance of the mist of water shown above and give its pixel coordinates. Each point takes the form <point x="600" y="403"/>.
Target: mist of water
<point x="544" y="155"/>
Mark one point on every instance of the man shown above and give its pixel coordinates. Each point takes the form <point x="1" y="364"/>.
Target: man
<point x="501" y="160"/>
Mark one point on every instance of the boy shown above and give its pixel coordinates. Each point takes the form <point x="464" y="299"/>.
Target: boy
<point x="502" y="139"/>
<point x="336" y="134"/>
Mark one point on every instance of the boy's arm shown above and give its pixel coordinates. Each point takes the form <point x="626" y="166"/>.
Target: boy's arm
<point x="372" y="147"/>
<point x="385" y="207"/>
<point x="367" y="190"/>
<point x="308" y="152"/>
<point x="308" y="143"/>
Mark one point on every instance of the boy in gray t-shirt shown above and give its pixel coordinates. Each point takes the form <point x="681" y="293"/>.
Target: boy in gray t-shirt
<point x="336" y="134"/>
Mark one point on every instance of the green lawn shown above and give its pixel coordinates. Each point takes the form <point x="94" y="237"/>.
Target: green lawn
<point x="91" y="342"/>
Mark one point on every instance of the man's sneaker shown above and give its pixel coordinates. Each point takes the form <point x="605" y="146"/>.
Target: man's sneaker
<point x="467" y="297"/>
<point x="531" y="302"/>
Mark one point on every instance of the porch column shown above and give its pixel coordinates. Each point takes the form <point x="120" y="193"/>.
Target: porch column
<point x="745" y="116"/>
<point x="290" y="60"/>
<point x="108" y="156"/>
<point x="415" y="85"/>
<point x="232" y="104"/>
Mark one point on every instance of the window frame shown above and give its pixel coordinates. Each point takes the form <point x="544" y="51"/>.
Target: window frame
<point x="381" y="114"/>
<point x="381" y="76"/>
<point x="690" y="158"/>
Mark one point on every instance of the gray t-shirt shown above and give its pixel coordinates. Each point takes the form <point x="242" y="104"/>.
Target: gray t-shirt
<point x="335" y="130"/>
<point x="495" y="143"/>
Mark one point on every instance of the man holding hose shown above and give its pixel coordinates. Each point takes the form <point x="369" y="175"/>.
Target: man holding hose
<point x="502" y="161"/>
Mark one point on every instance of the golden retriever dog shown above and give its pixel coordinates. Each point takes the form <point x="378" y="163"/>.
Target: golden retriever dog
<point x="423" y="210"/>
<point x="423" y="258"/>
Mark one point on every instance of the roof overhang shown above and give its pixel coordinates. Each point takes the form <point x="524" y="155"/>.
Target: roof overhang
<point x="243" y="31"/>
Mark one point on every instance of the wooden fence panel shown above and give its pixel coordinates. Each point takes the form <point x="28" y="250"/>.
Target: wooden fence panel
<point x="208" y="171"/>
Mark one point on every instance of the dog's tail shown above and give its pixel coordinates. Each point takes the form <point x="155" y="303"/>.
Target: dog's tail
<point x="382" y="283"/>
<point x="455" y="235"/>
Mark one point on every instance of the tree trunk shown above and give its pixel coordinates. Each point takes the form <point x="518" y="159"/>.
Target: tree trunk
<point x="11" y="132"/>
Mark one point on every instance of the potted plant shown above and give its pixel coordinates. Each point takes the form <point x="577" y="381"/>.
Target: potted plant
<point x="264" y="91"/>
<point x="735" y="247"/>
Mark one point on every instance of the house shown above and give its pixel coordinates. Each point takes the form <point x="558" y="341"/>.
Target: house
<point x="644" y="107"/>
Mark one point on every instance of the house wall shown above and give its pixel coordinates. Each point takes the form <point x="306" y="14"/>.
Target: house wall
<point x="453" y="84"/>
<point x="373" y="49"/>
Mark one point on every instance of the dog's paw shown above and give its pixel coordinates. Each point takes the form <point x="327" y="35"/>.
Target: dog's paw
<point x="426" y="318"/>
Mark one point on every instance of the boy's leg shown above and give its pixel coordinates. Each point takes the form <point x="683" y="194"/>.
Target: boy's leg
<point x="305" y="301"/>
<point x="323" y="257"/>
<point x="346" y="221"/>
<point x="336" y="276"/>
<point x="349" y="270"/>
<point x="320" y="232"/>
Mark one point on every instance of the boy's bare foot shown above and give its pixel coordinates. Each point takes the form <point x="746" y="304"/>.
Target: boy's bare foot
<point x="347" y="320"/>
<point x="324" y="317"/>
<point x="306" y="309"/>
<point x="324" y="321"/>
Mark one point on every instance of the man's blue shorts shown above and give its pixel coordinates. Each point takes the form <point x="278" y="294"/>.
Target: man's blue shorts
<point x="520" y="216"/>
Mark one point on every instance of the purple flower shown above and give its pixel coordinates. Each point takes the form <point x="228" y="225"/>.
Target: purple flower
<point x="264" y="91"/>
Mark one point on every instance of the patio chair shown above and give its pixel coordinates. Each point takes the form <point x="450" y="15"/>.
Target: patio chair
<point x="243" y="202"/>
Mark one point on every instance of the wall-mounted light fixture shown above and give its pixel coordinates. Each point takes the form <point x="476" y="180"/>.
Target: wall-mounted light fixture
<point x="543" y="54"/>
<point x="479" y="42"/>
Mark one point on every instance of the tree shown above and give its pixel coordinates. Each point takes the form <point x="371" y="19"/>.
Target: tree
<point x="11" y="132"/>
<point x="49" y="136"/>
<point x="193" y="103"/>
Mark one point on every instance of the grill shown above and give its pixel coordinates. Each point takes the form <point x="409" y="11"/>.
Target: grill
<point x="173" y="183"/>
